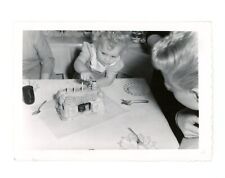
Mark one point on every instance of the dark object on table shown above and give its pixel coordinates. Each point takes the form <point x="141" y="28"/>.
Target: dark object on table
<point x="84" y="107"/>
<point x="28" y="94"/>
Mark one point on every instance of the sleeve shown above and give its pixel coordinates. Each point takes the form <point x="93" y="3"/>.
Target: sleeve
<point x="42" y="47"/>
<point x="84" y="55"/>
<point x="44" y="52"/>
<point x="116" y="68"/>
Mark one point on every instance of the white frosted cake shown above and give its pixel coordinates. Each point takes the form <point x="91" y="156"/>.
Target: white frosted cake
<point x="71" y="102"/>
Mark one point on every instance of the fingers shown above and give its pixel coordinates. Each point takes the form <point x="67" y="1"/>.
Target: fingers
<point x="83" y="77"/>
<point x="194" y="120"/>
<point x="191" y="131"/>
<point x="190" y="135"/>
<point x="87" y="76"/>
<point x="188" y="124"/>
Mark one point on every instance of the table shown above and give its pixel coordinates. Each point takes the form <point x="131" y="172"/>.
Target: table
<point x="144" y="119"/>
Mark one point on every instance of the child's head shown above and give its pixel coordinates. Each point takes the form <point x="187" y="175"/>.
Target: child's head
<point x="177" y="57"/>
<point x="110" y="45"/>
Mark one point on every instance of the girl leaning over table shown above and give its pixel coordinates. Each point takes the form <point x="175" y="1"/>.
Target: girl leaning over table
<point x="100" y="60"/>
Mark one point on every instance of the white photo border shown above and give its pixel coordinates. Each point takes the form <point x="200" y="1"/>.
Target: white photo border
<point x="204" y="152"/>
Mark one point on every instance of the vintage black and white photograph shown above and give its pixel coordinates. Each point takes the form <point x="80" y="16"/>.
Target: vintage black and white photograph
<point x="112" y="89"/>
<point x="99" y="90"/>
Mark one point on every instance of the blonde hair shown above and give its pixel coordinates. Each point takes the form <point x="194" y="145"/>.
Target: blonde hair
<point x="113" y="38"/>
<point x="177" y="57"/>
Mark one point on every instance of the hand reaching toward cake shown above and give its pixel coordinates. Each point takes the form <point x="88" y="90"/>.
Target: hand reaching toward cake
<point x="86" y="76"/>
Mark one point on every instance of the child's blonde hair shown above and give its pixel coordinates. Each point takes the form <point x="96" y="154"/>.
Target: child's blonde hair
<point x="113" y="38"/>
<point x="177" y="57"/>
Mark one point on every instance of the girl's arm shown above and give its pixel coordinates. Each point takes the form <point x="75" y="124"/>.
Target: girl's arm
<point x="108" y="80"/>
<point x="80" y="67"/>
<point x="80" y="63"/>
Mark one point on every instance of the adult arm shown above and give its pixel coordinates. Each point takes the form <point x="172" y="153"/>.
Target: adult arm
<point x="46" y="57"/>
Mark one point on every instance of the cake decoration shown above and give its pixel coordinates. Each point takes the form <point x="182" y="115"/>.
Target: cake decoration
<point x="71" y="102"/>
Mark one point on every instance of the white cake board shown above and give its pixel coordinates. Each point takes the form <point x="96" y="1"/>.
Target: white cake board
<point x="61" y="128"/>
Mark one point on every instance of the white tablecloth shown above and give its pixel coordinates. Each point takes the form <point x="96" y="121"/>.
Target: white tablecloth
<point x="145" y="119"/>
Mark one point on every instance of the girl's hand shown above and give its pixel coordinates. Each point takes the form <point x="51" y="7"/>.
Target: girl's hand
<point x="186" y="120"/>
<point x="86" y="76"/>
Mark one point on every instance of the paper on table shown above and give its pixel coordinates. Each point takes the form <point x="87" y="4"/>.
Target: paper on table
<point x="63" y="128"/>
<point x="137" y="141"/>
<point x="136" y="88"/>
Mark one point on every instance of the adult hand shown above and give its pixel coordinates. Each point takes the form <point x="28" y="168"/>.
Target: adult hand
<point x="186" y="121"/>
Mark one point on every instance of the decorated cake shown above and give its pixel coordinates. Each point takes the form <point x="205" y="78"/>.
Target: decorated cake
<point x="72" y="102"/>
